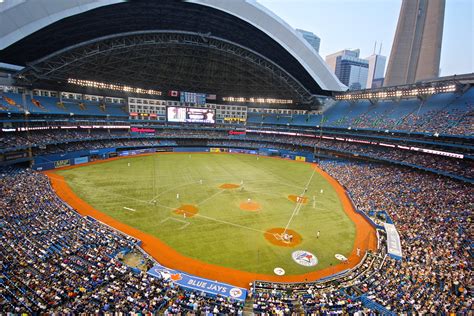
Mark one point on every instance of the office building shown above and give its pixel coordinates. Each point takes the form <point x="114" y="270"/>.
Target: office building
<point x="311" y="38"/>
<point x="376" y="71"/>
<point x="349" y="68"/>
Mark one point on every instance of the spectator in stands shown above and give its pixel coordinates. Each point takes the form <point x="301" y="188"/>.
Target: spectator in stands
<point x="54" y="260"/>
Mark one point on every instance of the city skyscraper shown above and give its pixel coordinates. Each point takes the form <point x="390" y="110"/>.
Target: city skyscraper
<point x="416" y="48"/>
<point x="349" y="68"/>
<point x="376" y="71"/>
<point x="311" y="38"/>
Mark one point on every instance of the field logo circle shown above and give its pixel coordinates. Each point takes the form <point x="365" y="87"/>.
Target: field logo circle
<point x="235" y="292"/>
<point x="304" y="258"/>
<point x="279" y="271"/>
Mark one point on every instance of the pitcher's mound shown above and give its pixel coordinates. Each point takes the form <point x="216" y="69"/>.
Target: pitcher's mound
<point x="189" y="210"/>
<point x="298" y="198"/>
<point x="250" y="206"/>
<point x="229" y="186"/>
<point x="278" y="237"/>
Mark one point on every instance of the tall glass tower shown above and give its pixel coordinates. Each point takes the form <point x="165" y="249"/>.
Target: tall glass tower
<point x="311" y="38"/>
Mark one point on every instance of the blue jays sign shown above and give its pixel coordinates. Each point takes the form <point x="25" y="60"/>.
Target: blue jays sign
<point x="198" y="284"/>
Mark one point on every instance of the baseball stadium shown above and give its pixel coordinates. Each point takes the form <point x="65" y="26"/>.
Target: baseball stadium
<point x="199" y="157"/>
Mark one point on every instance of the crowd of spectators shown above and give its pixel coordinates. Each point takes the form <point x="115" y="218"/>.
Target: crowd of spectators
<point x="433" y="215"/>
<point x="463" y="126"/>
<point x="98" y="144"/>
<point x="449" y="120"/>
<point x="42" y="138"/>
<point x="336" y="302"/>
<point x="456" y="121"/>
<point x="333" y="296"/>
<point x="456" y="166"/>
<point x="54" y="260"/>
<point x="50" y="142"/>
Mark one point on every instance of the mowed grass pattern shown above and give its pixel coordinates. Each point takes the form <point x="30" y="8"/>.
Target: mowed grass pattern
<point x="221" y="233"/>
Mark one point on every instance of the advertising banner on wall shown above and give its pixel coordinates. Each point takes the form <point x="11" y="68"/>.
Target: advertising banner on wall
<point x="136" y="152"/>
<point x="218" y="150"/>
<point x="62" y="163"/>
<point x="243" y="151"/>
<point x="80" y="160"/>
<point x="198" y="284"/>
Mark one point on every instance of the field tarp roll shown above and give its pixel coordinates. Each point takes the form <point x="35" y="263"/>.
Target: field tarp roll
<point x="394" y="247"/>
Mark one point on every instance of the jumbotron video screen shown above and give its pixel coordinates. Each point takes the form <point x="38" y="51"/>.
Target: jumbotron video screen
<point x="189" y="115"/>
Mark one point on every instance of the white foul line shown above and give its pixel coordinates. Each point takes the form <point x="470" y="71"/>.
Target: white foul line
<point x="299" y="204"/>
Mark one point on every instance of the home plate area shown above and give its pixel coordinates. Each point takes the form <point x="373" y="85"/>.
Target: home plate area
<point x="283" y="237"/>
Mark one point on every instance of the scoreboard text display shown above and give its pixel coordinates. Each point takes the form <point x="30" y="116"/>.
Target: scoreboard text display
<point x="192" y="97"/>
<point x="190" y="115"/>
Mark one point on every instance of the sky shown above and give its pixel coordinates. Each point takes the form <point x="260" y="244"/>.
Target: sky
<point x="360" y="23"/>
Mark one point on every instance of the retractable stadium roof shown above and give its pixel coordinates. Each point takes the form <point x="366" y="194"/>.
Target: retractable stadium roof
<point x="224" y="47"/>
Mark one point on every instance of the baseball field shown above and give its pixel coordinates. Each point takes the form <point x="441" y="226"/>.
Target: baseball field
<point x="239" y="212"/>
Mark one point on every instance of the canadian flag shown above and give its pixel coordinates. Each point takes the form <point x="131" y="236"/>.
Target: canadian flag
<point x="173" y="93"/>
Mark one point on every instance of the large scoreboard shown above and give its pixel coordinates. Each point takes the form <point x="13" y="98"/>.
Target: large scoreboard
<point x="190" y="115"/>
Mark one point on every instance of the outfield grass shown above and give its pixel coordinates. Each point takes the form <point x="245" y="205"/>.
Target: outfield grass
<point x="221" y="233"/>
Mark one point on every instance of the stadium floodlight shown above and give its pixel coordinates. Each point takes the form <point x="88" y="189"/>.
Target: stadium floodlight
<point x="110" y="86"/>
<point x="405" y="91"/>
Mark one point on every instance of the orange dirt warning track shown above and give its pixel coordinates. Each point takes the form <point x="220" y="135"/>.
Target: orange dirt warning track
<point x="365" y="239"/>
